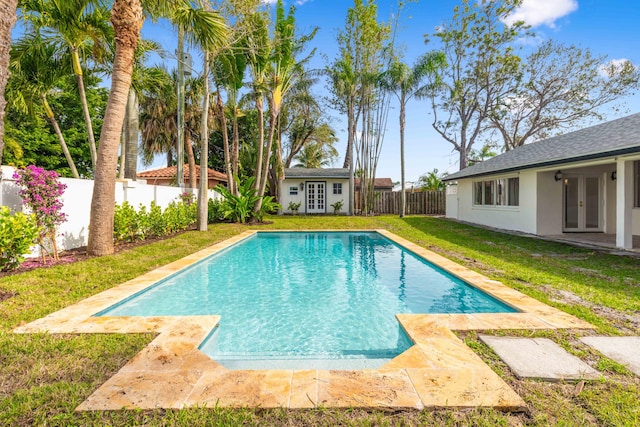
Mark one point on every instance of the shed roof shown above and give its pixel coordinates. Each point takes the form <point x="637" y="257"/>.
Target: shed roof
<point x="616" y="137"/>
<point x="316" y="173"/>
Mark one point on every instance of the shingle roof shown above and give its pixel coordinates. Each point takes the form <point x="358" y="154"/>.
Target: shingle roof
<point x="170" y="172"/>
<point x="377" y="183"/>
<point x="316" y="173"/>
<point x="621" y="136"/>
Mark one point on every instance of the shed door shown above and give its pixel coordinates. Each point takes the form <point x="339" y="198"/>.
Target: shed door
<point x="316" y="197"/>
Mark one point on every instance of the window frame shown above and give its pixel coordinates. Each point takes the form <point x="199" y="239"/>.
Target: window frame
<point x="503" y="192"/>
<point x="337" y="188"/>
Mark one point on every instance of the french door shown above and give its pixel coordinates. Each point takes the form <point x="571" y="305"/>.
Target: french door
<point x="582" y="203"/>
<point x="316" y="197"/>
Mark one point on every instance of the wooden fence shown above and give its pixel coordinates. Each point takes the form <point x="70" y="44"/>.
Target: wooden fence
<point x="417" y="203"/>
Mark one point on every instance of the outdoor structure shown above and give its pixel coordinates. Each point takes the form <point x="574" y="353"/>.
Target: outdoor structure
<point x="379" y="184"/>
<point x="167" y="176"/>
<point x="587" y="181"/>
<point x="315" y="190"/>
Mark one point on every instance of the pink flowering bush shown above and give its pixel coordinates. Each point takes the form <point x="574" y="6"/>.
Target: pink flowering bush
<point x="41" y="192"/>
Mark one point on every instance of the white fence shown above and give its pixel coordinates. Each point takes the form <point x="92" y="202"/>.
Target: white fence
<point x="77" y="202"/>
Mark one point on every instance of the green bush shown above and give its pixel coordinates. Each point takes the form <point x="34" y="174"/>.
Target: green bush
<point x="239" y="208"/>
<point x="214" y="211"/>
<point x="130" y="225"/>
<point x="17" y="233"/>
<point x="126" y="224"/>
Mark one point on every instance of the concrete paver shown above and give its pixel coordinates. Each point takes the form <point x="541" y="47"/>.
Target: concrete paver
<point x="624" y="350"/>
<point x="539" y="358"/>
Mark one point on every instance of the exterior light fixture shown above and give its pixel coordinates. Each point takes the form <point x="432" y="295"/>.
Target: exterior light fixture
<point x="614" y="175"/>
<point x="558" y="176"/>
<point x="301" y="186"/>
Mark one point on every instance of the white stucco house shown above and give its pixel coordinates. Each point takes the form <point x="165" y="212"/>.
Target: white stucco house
<point x="315" y="190"/>
<point x="587" y="181"/>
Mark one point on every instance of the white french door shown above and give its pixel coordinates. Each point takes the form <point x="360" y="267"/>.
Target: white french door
<point x="582" y="203"/>
<point x="316" y="197"/>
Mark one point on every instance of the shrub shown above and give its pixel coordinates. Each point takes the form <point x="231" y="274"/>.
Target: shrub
<point x="239" y="208"/>
<point x="17" y="233"/>
<point x="130" y="225"/>
<point x="337" y="206"/>
<point x="294" y="207"/>
<point x="214" y="211"/>
<point x="41" y="192"/>
<point x="126" y="224"/>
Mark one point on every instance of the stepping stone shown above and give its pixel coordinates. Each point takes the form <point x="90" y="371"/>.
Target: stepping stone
<point x="539" y="358"/>
<point x="624" y="350"/>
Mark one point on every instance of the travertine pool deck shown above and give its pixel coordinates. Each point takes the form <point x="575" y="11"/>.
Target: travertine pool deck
<point x="438" y="371"/>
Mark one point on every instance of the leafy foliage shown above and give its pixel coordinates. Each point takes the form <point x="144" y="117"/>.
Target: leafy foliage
<point x="214" y="212"/>
<point x="41" y="192"/>
<point x="17" y="233"/>
<point x="239" y="208"/>
<point x="337" y="206"/>
<point x="130" y="225"/>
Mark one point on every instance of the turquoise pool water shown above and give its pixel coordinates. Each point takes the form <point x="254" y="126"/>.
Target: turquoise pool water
<point x="308" y="299"/>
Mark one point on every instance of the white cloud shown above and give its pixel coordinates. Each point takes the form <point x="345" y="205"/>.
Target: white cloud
<point x="269" y="1"/>
<point x="542" y="12"/>
<point x="613" y="67"/>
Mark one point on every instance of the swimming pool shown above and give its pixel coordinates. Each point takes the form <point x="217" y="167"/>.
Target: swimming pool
<point x="308" y="299"/>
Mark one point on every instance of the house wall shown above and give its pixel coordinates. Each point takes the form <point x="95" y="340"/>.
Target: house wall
<point x="519" y="218"/>
<point x="549" y="207"/>
<point x="451" y="205"/>
<point x="76" y="202"/>
<point x="287" y="198"/>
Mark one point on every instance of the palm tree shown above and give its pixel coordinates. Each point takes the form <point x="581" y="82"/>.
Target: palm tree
<point x="36" y="69"/>
<point x="7" y="20"/>
<point x="405" y="83"/>
<point x="431" y="181"/>
<point x="144" y="79"/>
<point x="316" y="155"/>
<point x="80" y="25"/>
<point x="127" y="18"/>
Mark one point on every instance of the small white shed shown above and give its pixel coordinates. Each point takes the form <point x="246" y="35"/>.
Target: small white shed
<point x="315" y="191"/>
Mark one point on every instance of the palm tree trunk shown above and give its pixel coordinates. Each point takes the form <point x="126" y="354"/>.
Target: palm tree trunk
<point x="258" y="172"/>
<point x="132" y="127"/>
<point x="267" y="157"/>
<point x="126" y="18"/>
<point x="191" y="159"/>
<point x="403" y="196"/>
<point x="77" y="69"/>
<point x="225" y="140"/>
<point x="203" y="197"/>
<point x="7" y="20"/>
<point x="235" y="142"/>
<point x="63" y="144"/>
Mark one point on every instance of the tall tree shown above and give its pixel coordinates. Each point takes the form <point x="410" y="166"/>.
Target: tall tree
<point x="316" y="155"/>
<point x="478" y="45"/>
<point x="127" y="18"/>
<point x="406" y="83"/>
<point x="36" y="70"/>
<point x="353" y="81"/>
<point x="81" y="25"/>
<point x="559" y="87"/>
<point x="7" y="20"/>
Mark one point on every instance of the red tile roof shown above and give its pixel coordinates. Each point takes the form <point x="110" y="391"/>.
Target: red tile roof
<point x="170" y="172"/>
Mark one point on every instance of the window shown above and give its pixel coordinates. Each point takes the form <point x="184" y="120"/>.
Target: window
<point x="498" y="192"/>
<point x="636" y="183"/>
<point x="514" y="192"/>
<point x="337" y="188"/>
<point x="293" y="191"/>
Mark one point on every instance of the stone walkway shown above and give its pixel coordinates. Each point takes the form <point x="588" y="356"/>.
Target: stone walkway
<point x="624" y="350"/>
<point x="539" y="358"/>
<point x="543" y="359"/>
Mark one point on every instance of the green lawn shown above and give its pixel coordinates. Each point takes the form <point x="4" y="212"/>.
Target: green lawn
<point x="44" y="377"/>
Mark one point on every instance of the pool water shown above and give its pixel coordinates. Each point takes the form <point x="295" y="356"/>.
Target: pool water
<point x="318" y="300"/>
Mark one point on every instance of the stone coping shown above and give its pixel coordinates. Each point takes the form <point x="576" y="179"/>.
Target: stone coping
<point x="439" y="370"/>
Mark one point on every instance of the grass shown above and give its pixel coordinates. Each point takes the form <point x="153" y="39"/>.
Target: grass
<point x="44" y="377"/>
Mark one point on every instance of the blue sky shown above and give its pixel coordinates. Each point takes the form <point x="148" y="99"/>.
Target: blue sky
<point x="607" y="27"/>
